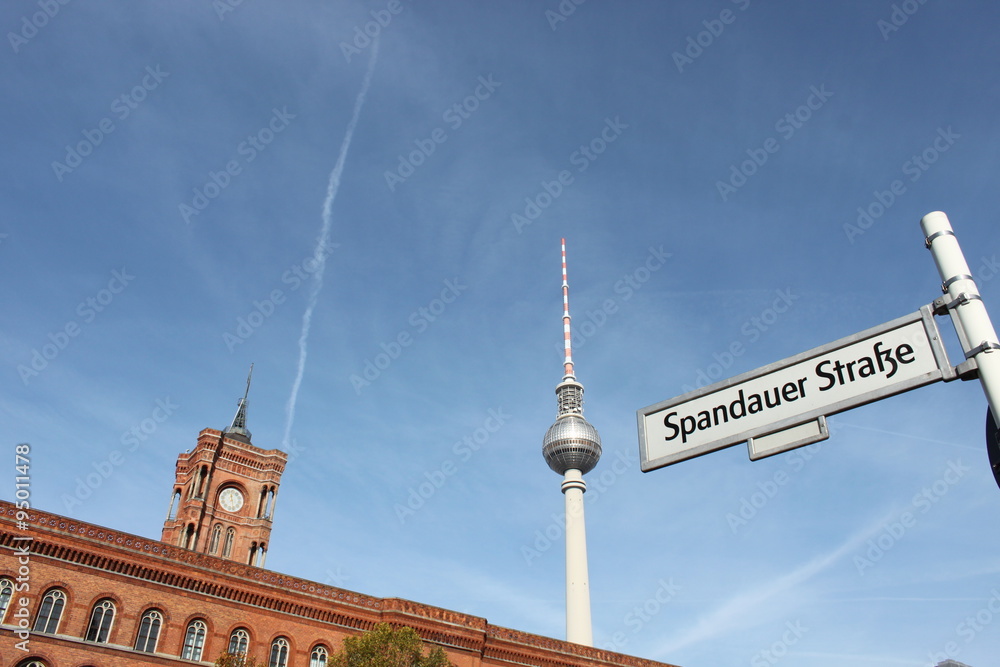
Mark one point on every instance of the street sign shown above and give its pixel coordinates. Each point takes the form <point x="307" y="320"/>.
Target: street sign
<point x="889" y="359"/>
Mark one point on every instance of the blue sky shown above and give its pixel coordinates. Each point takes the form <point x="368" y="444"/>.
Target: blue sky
<point x="166" y="170"/>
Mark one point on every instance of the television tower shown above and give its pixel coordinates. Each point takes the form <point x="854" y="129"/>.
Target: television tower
<point x="572" y="448"/>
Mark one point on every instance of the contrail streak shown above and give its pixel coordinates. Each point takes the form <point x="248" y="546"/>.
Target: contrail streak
<point x="322" y="243"/>
<point x="749" y="606"/>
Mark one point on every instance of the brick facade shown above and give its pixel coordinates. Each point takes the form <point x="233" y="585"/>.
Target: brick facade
<point x="91" y="563"/>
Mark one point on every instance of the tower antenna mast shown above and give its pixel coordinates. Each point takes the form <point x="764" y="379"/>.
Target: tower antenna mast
<point x="567" y="333"/>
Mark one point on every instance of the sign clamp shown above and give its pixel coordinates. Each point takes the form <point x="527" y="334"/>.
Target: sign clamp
<point x="985" y="346"/>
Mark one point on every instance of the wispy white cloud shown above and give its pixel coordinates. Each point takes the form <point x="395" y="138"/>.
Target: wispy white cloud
<point x="908" y="436"/>
<point x="501" y="597"/>
<point x="747" y="608"/>
<point x="323" y="243"/>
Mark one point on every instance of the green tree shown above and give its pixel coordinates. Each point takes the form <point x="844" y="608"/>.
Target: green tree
<point x="227" y="659"/>
<point x="387" y="647"/>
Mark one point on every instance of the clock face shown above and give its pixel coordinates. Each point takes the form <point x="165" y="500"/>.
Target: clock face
<point x="231" y="499"/>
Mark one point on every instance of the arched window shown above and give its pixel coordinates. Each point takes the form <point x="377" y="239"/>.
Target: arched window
<point x="190" y="537"/>
<point x="216" y="537"/>
<point x="6" y="592"/>
<point x="50" y="611"/>
<point x="32" y="662"/>
<point x="203" y="475"/>
<point x="175" y="503"/>
<point x="149" y="631"/>
<point x="194" y="640"/>
<point x="239" y="641"/>
<point x="227" y="549"/>
<point x="270" y="503"/>
<point x="262" y="503"/>
<point x="279" y="653"/>
<point x="319" y="656"/>
<point x="101" y="618"/>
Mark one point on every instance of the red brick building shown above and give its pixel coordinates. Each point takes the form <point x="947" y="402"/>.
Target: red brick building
<point x="74" y="594"/>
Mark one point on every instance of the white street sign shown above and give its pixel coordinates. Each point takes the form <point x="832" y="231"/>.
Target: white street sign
<point x="894" y="357"/>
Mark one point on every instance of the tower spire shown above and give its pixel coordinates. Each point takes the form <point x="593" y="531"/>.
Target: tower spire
<point x="239" y="426"/>
<point x="567" y="335"/>
<point x="572" y="447"/>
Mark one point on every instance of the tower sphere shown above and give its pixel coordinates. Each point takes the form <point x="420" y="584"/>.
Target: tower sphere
<point x="571" y="443"/>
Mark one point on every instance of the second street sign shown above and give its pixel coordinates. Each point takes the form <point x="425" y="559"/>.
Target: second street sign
<point x="894" y="357"/>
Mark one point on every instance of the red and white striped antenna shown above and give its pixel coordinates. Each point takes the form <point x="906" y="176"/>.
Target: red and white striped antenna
<point x="567" y="334"/>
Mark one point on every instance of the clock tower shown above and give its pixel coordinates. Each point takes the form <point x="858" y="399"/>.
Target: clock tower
<point x="222" y="503"/>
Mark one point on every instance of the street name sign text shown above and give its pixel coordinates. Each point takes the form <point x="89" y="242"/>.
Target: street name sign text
<point x="891" y="358"/>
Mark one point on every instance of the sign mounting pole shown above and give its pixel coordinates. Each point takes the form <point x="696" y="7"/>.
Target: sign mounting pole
<point x="975" y="330"/>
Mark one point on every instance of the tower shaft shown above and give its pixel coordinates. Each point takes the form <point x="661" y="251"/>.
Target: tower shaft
<point x="578" y="624"/>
